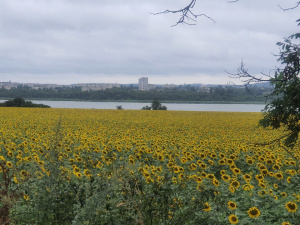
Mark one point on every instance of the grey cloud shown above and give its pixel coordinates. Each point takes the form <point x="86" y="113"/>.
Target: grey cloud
<point x="101" y="40"/>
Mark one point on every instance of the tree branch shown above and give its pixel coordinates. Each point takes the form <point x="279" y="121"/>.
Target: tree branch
<point x="187" y="14"/>
<point x="242" y="73"/>
<point x="285" y="9"/>
<point x="248" y="78"/>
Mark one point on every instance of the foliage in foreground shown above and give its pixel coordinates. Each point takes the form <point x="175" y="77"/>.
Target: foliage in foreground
<point x="71" y="166"/>
<point x="284" y="109"/>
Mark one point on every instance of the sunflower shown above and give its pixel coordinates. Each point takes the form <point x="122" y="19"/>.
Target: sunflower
<point x="203" y="174"/>
<point x="247" y="177"/>
<point x="233" y="219"/>
<point x="225" y="177"/>
<point x="15" y="179"/>
<point x="292" y="172"/>
<point x="259" y="177"/>
<point x="193" y="166"/>
<point x="131" y="161"/>
<point x="276" y="167"/>
<point x="262" y="193"/>
<point x="199" y="162"/>
<point x="76" y="169"/>
<point x="269" y="161"/>
<point x="261" y="166"/>
<point x="176" y="169"/>
<point x="286" y="223"/>
<point x="231" y="205"/>
<point x="253" y="212"/>
<point x="199" y="180"/>
<point x="264" y="172"/>
<point x="26" y="197"/>
<point x="232" y="166"/>
<point x="9" y="164"/>
<point x="24" y="173"/>
<point x="207" y="207"/>
<point x="216" y="182"/>
<point x="248" y="187"/>
<point x="78" y="174"/>
<point x="149" y="180"/>
<point x="211" y="176"/>
<point x="222" y="172"/>
<point x="170" y="164"/>
<point x="283" y="194"/>
<point x="235" y="184"/>
<point x="230" y="162"/>
<point x="279" y="176"/>
<point x="231" y="189"/>
<point x="87" y="173"/>
<point x="221" y="155"/>
<point x="181" y="176"/>
<point x="250" y="161"/>
<point x="262" y="184"/>
<point x="213" y="155"/>
<point x="211" y="162"/>
<point x="222" y="162"/>
<point x="291" y="206"/>
<point x="202" y="155"/>
<point x="203" y="166"/>
<point x="183" y="160"/>
<point x="181" y="169"/>
<point x="236" y="171"/>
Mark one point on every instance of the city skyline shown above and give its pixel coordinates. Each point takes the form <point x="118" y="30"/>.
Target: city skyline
<point x="91" y="83"/>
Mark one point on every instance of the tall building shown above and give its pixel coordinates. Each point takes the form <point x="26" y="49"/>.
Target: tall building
<point x="143" y="84"/>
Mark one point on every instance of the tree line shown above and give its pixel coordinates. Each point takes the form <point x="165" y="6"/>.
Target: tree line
<point x="184" y="93"/>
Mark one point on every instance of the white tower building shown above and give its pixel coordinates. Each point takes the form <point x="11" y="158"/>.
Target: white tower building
<point x="143" y="84"/>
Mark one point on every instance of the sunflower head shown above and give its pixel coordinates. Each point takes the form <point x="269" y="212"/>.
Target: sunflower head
<point x="233" y="219"/>
<point x="207" y="207"/>
<point x="279" y="176"/>
<point x="231" y="205"/>
<point x="291" y="207"/>
<point x="253" y="212"/>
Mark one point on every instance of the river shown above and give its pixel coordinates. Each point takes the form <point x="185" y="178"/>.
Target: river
<point x="139" y="105"/>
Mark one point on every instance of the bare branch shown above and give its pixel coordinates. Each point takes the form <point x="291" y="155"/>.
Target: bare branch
<point x="248" y="78"/>
<point x="187" y="14"/>
<point x="285" y="9"/>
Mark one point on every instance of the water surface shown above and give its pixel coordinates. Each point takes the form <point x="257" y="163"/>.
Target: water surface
<point x="139" y="105"/>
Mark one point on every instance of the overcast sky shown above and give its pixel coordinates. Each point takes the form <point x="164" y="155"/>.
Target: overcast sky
<point x="105" y="41"/>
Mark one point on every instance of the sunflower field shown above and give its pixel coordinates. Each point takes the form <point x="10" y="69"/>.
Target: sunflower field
<point x="77" y="166"/>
